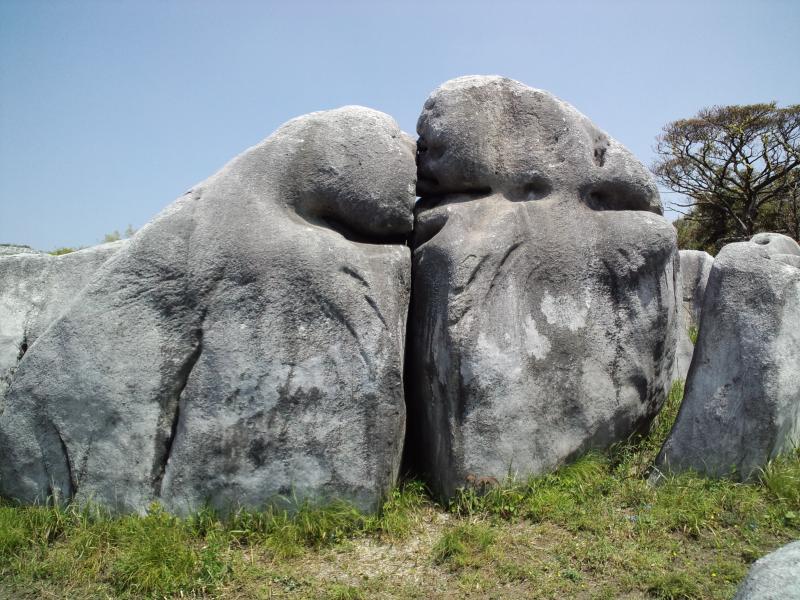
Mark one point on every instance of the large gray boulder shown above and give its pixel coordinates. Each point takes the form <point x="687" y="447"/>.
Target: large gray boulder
<point x="544" y="308"/>
<point x="773" y="577"/>
<point x="248" y="343"/>
<point x="695" y="268"/>
<point x="742" y="401"/>
<point x="35" y="288"/>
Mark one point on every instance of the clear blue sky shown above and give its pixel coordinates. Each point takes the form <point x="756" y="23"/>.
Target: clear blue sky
<point x="109" y="110"/>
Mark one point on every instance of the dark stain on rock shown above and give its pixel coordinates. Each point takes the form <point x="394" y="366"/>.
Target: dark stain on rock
<point x="257" y="452"/>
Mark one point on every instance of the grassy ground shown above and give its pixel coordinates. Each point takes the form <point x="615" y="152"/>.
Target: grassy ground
<point x="595" y="529"/>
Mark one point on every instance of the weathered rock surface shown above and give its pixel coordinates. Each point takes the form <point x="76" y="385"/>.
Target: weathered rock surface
<point x="773" y="577"/>
<point x="742" y="400"/>
<point x="248" y="342"/>
<point x="12" y="249"/>
<point x="35" y="288"/>
<point x="695" y="268"/>
<point x="544" y="308"/>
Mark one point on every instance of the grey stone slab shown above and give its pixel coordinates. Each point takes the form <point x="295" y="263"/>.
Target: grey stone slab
<point x="742" y="402"/>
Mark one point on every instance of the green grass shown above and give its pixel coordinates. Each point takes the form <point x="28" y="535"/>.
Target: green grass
<point x="463" y="545"/>
<point x="62" y="251"/>
<point x="782" y="478"/>
<point x="593" y="529"/>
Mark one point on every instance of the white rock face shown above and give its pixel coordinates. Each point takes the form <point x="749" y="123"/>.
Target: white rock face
<point x="695" y="268"/>
<point x="742" y="401"/>
<point x="12" y="249"/>
<point x="247" y="343"/>
<point x="773" y="577"/>
<point x="544" y="308"/>
<point x="35" y="288"/>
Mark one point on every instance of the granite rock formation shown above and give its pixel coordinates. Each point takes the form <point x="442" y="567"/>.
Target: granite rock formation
<point x="246" y="344"/>
<point x="12" y="249"/>
<point x="35" y="288"/>
<point x="742" y="401"/>
<point x="544" y="309"/>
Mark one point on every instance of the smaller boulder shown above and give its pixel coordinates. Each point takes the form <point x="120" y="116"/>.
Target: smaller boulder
<point x="12" y="249"/>
<point x="35" y="288"/>
<point x="695" y="268"/>
<point x="742" y="402"/>
<point x="773" y="577"/>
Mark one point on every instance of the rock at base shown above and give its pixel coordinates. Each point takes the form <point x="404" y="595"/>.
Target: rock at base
<point x="742" y="402"/>
<point x="773" y="577"/>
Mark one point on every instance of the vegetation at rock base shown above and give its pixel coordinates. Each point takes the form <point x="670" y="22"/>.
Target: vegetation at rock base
<point x="594" y="529"/>
<point x="738" y="168"/>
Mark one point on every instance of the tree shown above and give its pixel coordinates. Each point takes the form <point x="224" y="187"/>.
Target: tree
<point x="738" y="169"/>
<point x="791" y="206"/>
<point x="114" y="236"/>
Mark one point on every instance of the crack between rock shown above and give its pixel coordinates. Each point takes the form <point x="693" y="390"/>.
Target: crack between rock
<point x="8" y="376"/>
<point x="174" y="407"/>
<point x="73" y="485"/>
<point x="23" y="346"/>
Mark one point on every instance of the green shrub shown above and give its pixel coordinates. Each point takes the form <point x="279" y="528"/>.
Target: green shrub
<point x="63" y="250"/>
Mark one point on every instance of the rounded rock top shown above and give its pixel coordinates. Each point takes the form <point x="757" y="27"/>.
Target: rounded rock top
<point x="482" y="134"/>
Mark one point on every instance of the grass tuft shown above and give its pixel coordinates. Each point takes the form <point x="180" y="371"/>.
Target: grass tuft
<point x="158" y="556"/>
<point x="781" y="477"/>
<point x="340" y="591"/>
<point x="675" y="586"/>
<point x="463" y="545"/>
<point x="400" y="512"/>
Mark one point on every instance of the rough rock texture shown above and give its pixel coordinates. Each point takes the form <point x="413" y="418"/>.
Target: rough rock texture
<point x="11" y="249"/>
<point x="35" y="288"/>
<point x="773" y="577"/>
<point x="742" y="400"/>
<point x="695" y="268"/>
<point x="247" y="343"/>
<point x="544" y="307"/>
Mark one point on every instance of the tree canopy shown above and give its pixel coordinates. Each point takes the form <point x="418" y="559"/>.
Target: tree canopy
<point x="739" y="170"/>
